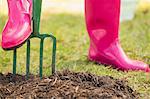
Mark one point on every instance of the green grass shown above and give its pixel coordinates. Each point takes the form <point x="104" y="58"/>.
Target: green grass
<point x="72" y="49"/>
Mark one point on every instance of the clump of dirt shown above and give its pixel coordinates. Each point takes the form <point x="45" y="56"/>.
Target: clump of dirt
<point x="65" y="85"/>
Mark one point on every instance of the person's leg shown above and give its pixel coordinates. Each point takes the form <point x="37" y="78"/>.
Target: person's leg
<point x="18" y="27"/>
<point x="102" y="21"/>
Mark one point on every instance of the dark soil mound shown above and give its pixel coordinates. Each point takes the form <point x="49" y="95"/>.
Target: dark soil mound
<point x="65" y="85"/>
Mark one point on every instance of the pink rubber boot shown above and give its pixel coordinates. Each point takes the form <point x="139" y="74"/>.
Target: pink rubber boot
<point x="18" y="27"/>
<point x="102" y="20"/>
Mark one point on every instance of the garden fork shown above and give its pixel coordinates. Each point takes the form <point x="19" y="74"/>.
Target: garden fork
<point x="36" y="34"/>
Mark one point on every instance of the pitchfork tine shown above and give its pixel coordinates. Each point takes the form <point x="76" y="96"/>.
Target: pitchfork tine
<point x="14" y="61"/>
<point x="41" y="57"/>
<point x="28" y="59"/>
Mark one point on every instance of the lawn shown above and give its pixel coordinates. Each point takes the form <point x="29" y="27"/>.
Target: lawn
<point x="72" y="48"/>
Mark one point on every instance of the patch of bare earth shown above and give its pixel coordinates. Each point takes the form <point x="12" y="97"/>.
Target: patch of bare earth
<point x="65" y="85"/>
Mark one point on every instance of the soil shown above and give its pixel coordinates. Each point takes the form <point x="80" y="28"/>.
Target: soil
<point x="65" y="85"/>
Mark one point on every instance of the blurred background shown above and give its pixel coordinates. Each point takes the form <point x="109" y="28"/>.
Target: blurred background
<point x="65" y="19"/>
<point x="77" y="6"/>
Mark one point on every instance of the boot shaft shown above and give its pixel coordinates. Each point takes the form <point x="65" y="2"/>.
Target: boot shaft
<point x="17" y="8"/>
<point x="102" y="14"/>
<point x="102" y="20"/>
